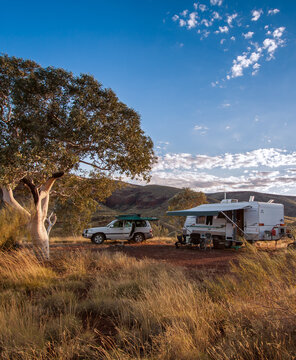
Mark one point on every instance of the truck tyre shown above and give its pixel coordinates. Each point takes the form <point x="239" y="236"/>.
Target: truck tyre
<point x="98" y="238"/>
<point x="139" y="237"/>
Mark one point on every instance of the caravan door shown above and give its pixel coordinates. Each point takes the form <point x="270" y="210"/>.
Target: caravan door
<point x="251" y="222"/>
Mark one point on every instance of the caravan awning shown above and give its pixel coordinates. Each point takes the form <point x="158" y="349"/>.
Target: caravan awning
<point x="209" y="209"/>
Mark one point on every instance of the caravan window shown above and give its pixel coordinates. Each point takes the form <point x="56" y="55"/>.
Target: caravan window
<point x="200" y="219"/>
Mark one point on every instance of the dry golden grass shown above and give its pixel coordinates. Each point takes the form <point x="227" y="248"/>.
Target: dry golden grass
<point x="92" y="305"/>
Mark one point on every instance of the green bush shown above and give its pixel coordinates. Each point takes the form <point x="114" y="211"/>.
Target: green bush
<point x="13" y="228"/>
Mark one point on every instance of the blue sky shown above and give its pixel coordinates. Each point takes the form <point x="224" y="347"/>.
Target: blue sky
<point x="213" y="80"/>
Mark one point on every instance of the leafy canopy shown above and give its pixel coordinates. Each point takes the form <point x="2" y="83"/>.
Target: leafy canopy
<point x="52" y="120"/>
<point x="185" y="199"/>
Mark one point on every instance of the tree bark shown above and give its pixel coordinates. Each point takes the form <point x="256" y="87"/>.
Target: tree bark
<point x="40" y="238"/>
<point x="9" y="200"/>
<point x="39" y="234"/>
<point x="52" y="219"/>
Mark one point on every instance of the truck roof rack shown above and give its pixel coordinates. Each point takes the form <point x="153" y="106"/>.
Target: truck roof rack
<point x="131" y="217"/>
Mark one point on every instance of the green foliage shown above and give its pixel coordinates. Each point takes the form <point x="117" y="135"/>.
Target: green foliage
<point x="13" y="227"/>
<point x="185" y="199"/>
<point x="159" y="230"/>
<point x="53" y="121"/>
<point x="76" y="199"/>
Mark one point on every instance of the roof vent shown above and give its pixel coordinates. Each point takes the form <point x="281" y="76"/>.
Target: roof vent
<point x="229" y="201"/>
<point x="252" y="197"/>
<point x="270" y="201"/>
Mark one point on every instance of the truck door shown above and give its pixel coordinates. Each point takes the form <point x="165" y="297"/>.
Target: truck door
<point x="127" y="226"/>
<point x="116" y="231"/>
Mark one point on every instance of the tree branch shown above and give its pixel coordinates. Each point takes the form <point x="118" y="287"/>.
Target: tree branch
<point x="33" y="189"/>
<point x="45" y="190"/>
<point x="9" y="199"/>
<point x="52" y="219"/>
<point x="93" y="165"/>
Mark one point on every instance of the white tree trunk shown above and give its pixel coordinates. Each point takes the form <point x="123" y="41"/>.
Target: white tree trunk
<point x="40" y="238"/>
<point x="39" y="235"/>
<point x="9" y="199"/>
<point x="52" y="219"/>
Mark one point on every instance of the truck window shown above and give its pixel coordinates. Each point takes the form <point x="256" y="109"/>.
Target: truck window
<point x="127" y="224"/>
<point x="118" y="224"/>
<point x="140" y="223"/>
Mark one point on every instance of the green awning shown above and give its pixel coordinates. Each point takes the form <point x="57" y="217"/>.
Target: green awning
<point x="134" y="217"/>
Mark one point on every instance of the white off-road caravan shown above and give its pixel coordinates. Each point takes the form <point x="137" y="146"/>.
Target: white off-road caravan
<point x="225" y="223"/>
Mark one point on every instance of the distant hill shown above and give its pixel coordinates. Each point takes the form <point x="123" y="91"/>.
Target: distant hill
<point x="146" y="200"/>
<point x="153" y="199"/>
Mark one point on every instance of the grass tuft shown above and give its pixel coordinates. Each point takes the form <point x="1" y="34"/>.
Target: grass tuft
<point x="108" y="306"/>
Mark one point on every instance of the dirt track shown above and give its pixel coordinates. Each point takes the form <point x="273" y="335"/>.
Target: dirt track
<point x="192" y="258"/>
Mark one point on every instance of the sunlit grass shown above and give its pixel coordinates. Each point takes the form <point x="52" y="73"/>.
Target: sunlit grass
<point x="109" y="306"/>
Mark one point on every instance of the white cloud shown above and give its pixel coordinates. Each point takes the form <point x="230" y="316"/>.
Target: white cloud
<point x="255" y="52"/>
<point x="227" y="127"/>
<point x="206" y="22"/>
<point x="182" y="22"/>
<point x="242" y="62"/>
<point x="269" y="170"/>
<point x="256" y="68"/>
<point x="248" y="35"/>
<point x="273" y="11"/>
<point x="223" y="29"/>
<point x="202" y="7"/>
<point x="271" y="158"/>
<point x="205" y="34"/>
<point x="216" y="15"/>
<point x="216" y="2"/>
<point x="230" y="18"/>
<point x="192" y="22"/>
<point x="279" y="32"/>
<point x="256" y="14"/>
<point x="270" y="45"/>
<point x="201" y="129"/>
<point x="226" y="105"/>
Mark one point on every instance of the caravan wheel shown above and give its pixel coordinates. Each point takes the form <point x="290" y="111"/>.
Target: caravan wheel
<point x="228" y="244"/>
<point x="218" y="243"/>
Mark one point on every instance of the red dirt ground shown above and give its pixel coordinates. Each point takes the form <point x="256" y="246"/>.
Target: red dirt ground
<point x="191" y="258"/>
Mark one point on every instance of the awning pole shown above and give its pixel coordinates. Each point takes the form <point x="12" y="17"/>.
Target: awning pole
<point x="227" y="217"/>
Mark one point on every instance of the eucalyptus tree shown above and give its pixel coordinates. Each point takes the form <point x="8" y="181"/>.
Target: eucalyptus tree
<point x="185" y="199"/>
<point x="54" y="123"/>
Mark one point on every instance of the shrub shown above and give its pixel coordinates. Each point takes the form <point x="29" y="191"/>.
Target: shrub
<point x="13" y="227"/>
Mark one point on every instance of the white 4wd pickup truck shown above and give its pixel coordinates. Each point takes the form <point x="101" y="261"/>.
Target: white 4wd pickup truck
<point x="126" y="227"/>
